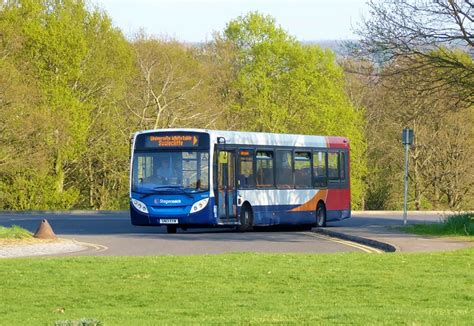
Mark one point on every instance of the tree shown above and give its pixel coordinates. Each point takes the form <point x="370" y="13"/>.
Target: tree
<point x="439" y="159"/>
<point x="427" y="34"/>
<point x="279" y="85"/>
<point x="76" y="62"/>
<point x="416" y="59"/>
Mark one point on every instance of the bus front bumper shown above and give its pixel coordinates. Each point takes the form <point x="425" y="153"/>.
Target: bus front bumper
<point x="205" y="217"/>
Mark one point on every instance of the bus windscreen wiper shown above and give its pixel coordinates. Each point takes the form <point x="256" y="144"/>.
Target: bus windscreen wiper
<point x="164" y="189"/>
<point x="173" y="187"/>
<point x="144" y="194"/>
<point x="157" y="190"/>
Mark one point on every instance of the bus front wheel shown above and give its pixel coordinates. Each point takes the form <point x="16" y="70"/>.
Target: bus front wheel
<point x="321" y="215"/>
<point x="245" y="219"/>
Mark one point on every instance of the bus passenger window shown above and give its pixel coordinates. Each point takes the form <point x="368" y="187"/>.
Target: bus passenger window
<point x="302" y="170"/>
<point x="264" y="169"/>
<point x="246" y="177"/>
<point x="319" y="169"/>
<point x="333" y="166"/>
<point x="284" y="169"/>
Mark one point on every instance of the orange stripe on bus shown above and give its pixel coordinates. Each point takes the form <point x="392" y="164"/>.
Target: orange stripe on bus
<point x="311" y="204"/>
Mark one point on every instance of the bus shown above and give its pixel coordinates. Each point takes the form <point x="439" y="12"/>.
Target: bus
<point x="183" y="178"/>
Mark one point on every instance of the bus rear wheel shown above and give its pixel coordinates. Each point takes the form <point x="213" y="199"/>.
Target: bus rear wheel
<point x="171" y="229"/>
<point x="321" y="215"/>
<point x="245" y="219"/>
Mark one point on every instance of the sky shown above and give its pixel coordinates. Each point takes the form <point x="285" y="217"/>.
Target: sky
<point x="196" y="20"/>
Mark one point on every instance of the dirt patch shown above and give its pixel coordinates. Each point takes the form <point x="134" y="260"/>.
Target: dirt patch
<point x="32" y="240"/>
<point x="38" y="247"/>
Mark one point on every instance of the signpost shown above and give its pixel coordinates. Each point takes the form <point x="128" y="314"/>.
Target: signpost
<point x="407" y="140"/>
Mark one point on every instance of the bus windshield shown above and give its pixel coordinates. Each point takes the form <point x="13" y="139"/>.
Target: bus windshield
<point x="183" y="170"/>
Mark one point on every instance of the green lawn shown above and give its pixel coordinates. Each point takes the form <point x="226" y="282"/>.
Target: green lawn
<point x="14" y="232"/>
<point x="460" y="225"/>
<point x="418" y="289"/>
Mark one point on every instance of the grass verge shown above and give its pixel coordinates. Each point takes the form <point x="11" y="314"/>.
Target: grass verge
<point x="461" y="225"/>
<point x="14" y="232"/>
<point x="350" y="288"/>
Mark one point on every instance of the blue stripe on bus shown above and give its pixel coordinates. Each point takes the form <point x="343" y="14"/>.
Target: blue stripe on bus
<point x="262" y="215"/>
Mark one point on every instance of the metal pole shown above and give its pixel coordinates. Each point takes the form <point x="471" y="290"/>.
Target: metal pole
<point x="406" y="185"/>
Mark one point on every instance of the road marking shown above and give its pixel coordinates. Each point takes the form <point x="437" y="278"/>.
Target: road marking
<point x="359" y="246"/>
<point x="97" y="247"/>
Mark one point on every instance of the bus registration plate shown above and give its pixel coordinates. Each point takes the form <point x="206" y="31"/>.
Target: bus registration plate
<point x="168" y="221"/>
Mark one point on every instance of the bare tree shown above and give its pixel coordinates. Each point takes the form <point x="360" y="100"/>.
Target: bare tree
<point x="440" y="164"/>
<point x="171" y="88"/>
<point x="428" y="34"/>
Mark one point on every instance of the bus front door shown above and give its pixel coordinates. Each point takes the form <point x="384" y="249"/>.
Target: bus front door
<point x="227" y="192"/>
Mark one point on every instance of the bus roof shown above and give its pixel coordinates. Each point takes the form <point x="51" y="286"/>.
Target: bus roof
<point x="262" y="138"/>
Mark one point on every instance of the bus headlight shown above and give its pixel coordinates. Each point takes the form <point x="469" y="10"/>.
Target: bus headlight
<point x="199" y="205"/>
<point x="140" y="206"/>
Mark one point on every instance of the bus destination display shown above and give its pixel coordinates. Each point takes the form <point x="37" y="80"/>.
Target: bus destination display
<point x="173" y="141"/>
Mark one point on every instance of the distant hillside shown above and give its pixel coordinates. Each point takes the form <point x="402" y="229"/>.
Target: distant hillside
<point x="336" y="45"/>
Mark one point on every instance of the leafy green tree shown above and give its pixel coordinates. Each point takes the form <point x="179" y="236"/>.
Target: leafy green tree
<point x="279" y="85"/>
<point x="78" y="62"/>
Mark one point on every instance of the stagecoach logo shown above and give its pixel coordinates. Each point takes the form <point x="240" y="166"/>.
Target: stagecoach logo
<point x="168" y="201"/>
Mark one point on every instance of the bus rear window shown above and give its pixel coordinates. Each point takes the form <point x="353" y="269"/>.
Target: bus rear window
<point x="343" y="166"/>
<point x="333" y="166"/>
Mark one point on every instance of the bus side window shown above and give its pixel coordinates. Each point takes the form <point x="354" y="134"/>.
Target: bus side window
<point x="302" y="169"/>
<point x="319" y="169"/>
<point x="246" y="179"/>
<point x="333" y="166"/>
<point x="284" y="168"/>
<point x="264" y="169"/>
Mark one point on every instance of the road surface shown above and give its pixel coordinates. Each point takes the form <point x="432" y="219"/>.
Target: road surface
<point x="112" y="234"/>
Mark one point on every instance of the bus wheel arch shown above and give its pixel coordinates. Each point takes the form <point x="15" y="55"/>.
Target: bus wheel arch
<point x="321" y="216"/>
<point x="246" y="217"/>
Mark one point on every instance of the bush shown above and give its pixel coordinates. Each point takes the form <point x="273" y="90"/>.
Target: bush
<point x="25" y="192"/>
<point x="15" y="232"/>
<point x="460" y="224"/>
<point x="457" y="225"/>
